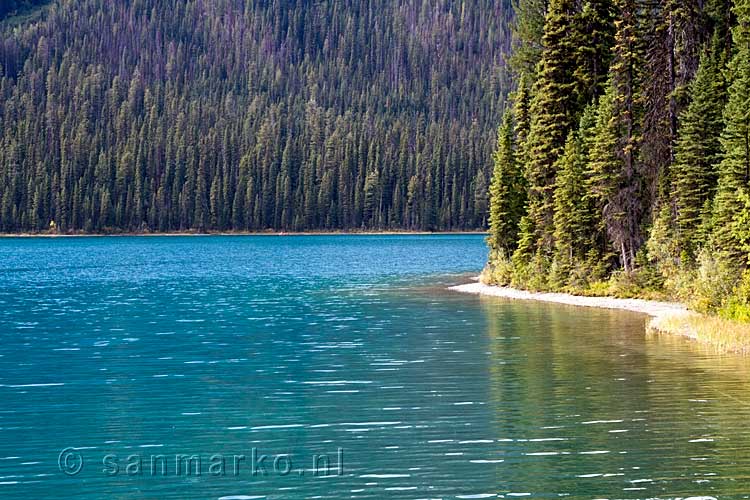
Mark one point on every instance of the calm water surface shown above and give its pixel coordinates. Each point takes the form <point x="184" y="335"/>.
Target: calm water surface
<point x="135" y="350"/>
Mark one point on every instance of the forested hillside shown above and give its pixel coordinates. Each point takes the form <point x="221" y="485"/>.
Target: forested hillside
<point x="623" y="163"/>
<point x="10" y="7"/>
<point x="165" y="115"/>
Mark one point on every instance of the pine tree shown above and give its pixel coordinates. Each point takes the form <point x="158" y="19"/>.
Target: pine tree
<point x="720" y="16"/>
<point x="575" y="223"/>
<point x="554" y="111"/>
<point x="173" y="131"/>
<point x="594" y="54"/>
<point x="734" y="170"/>
<point x="604" y="163"/>
<point x="507" y="193"/>
<point x="617" y="177"/>
<point x="675" y="31"/>
<point x="371" y="195"/>
<point x="522" y="118"/>
<point x="480" y="197"/>
<point x="568" y="221"/>
<point x="528" y="29"/>
<point x="697" y="153"/>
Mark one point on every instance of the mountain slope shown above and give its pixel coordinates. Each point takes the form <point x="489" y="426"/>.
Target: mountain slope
<point x="14" y="7"/>
<point x="174" y="115"/>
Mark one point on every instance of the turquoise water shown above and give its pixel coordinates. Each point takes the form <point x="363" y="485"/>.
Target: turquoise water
<point x="127" y="352"/>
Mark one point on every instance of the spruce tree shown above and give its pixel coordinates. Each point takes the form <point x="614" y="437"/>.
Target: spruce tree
<point x="568" y="221"/>
<point x="617" y="176"/>
<point x="174" y="128"/>
<point x="575" y="221"/>
<point x="522" y="118"/>
<point x="605" y="164"/>
<point x="697" y="154"/>
<point x="594" y="54"/>
<point x="507" y="193"/>
<point x="554" y="111"/>
<point x="734" y="169"/>
<point x="528" y="29"/>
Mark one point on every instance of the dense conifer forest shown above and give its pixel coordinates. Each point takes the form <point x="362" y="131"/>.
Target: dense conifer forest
<point x="178" y="115"/>
<point x="622" y="164"/>
<point x="13" y="7"/>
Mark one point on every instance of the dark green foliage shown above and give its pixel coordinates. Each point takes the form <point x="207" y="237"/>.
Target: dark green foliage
<point x="575" y="219"/>
<point x="652" y="188"/>
<point x="720" y="22"/>
<point x="522" y="118"/>
<point x="10" y="7"/>
<point x="594" y="53"/>
<point x="670" y="57"/>
<point x="698" y="153"/>
<point x="605" y="166"/>
<point x="528" y="30"/>
<point x="554" y="111"/>
<point x="570" y="223"/>
<point x="734" y="170"/>
<point x="508" y="189"/>
<point x="167" y="115"/>
<point x="577" y="42"/>
<point x="624" y="198"/>
<point x="507" y="192"/>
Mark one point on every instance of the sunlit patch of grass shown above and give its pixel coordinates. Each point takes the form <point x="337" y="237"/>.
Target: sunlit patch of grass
<point x="725" y="335"/>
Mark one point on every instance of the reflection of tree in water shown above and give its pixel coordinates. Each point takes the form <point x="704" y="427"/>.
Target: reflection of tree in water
<point x="588" y="404"/>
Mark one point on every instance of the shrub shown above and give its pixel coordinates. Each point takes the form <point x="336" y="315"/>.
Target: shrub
<point x="737" y="305"/>
<point x="532" y="275"/>
<point x="715" y="280"/>
<point x="499" y="270"/>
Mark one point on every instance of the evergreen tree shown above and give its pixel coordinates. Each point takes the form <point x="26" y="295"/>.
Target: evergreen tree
<point x="575" y="221"/>
<point x="617" y="176"/>
<point x="734" y="169"/>
<point x="698" y="152"/>
<point x="528" y="29"/>
<point x="180" y="133"/>
<point x="522" y="118"/>
<point x="605" y="164"/>
<point x="594" y="54"/>
<point x="554" y="110"/>
<point x="507" y="192"/>
<point x="662" y="151"/>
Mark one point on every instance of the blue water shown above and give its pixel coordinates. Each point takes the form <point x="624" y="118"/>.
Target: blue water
<point x="125" y="359"/>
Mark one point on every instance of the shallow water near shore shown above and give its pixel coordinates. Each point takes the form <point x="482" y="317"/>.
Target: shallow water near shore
<point x="126" y="353"/>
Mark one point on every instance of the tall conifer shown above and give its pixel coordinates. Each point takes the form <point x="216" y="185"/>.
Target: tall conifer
<point x="697" y="154"/>
<point x="554" y="110"/>
<point x="507" y="192"/>
<point x="734" y="170"/>
<point x="575" y="220"/>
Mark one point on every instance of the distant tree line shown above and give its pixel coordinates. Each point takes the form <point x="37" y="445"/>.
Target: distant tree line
<point x="9" y="7"/>
<point x="168" y="115"/>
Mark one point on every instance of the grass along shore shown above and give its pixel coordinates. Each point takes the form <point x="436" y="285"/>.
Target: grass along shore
<point x="671" y="318"/>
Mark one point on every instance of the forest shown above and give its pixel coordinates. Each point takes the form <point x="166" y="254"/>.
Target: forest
<point x="13" y="7"/>
<point x="250" y="115"/>
<point x="622" y="163"/>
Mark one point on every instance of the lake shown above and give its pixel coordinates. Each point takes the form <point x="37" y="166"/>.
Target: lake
<point x="340" y="367"/>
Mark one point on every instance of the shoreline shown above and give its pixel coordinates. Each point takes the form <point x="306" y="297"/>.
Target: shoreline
<point x="242" y="233"/>
<point x="649" y="307"/>
<point x="669" y="318"/>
